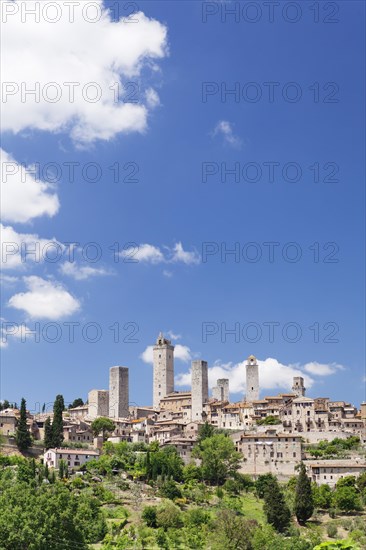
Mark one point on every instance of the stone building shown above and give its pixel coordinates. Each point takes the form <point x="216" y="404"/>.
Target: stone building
<point x="252" y="379"/>
<point x="98" y="403"/>
<point x="270" y="453"/>
<point x="199" y="388"/>
<point x="298" y="387"/>
<point x="221" y="390"/>
<point x="163" y="377"/>
<point x="330" y="471"/>
<point x="118" y="392"/>
<point x="72" y="457"/>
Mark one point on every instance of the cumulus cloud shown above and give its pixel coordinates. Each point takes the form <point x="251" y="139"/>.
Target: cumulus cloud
<point x="44" y="299"/>
<point x="321" y="369"/>
<point x="149" y="253"/>
<point x="23" y="195"/>
<point x="21" y="249"/>
<point x="225" y="129"/>
<point x="172" y="336"/>
<point x="82" y="272"/>
<point x="87" y="76"/>
<point x="182" y="353"/>
<point x="273" y="375"/>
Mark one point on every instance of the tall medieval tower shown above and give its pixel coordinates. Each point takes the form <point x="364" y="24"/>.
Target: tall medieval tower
<point x="199" y="388"/>
<point x="163" y="369"/>
<point x="252" y="379"/>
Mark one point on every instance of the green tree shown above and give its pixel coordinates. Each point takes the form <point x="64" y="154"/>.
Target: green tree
<point x="204" y="431"/>
<point x="149" y="516"/>
<point x="169" y="515"/>
<point x="304" y="505"/>
<point x="219" y="459"/>
<point x="264" y="481"/>
<point x="277" y="512"/>
<point x="23" y="437"/>
<point x="102" y="425"/>
<point x="346" y="499"/>
<point x="322" y="496"/>
<point x="57" y="423"/>
<point x="78" y="402"/>
<point x="232" y="532"/>
<point x="170" y="489"/>
<point x="48" y="435"/>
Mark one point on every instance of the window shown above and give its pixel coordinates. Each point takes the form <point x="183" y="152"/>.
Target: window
<point x="294" y="455"/>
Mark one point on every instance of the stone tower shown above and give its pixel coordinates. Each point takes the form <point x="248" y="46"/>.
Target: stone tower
<point x="252" y="379"/>
<point x="98" y="403"/>
<point x="221" y="390"/>
<point x="199" y="388"/>
<point x="163" y="369"/>
<point x="298" y="386"/>
<point x="118" y="392"/>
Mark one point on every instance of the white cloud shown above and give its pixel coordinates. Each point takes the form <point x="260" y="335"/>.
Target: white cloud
<point x="225" y="129"/>
<point x="23" y="196"/>
<point x="148" y="355"/>
<point x="273" y="375"/>
<point x="152" y="98"/>
<point x="20" y="249"/>
<point x="181" y="255"/>
<point x="145" y="253"/>
<point x="182" y="353"/>
<point x="82" y="272"/>
<point x="149" y="253"/>
<point x="102" y="59"/>
<point x="172" y="336"/>
<point x="321" y="369"/>
<point x="167" y="274"/>
<point x="44" y="299"/>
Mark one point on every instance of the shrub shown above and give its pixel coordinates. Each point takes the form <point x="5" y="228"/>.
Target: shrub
<point x="332" y="530"/>
<point x="149" y="514"/>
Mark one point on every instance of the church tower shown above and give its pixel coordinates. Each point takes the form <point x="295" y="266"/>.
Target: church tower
<point x="163" y="369"/>
<point x="252" y="379"/>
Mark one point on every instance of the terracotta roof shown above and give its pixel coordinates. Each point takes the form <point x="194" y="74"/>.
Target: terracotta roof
<point x="65" y="451"/>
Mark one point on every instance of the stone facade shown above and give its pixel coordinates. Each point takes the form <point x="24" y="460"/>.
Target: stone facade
<point x="252" y="379"/>
<point x="270" y="453"/>
<point x="298" y="386"/>
<point x="98" y="403"/>
<point x="330" y="471"/>
<point x="73" y="457"/>
<point x="118" y="392"/>
<point x="163" y="382"/>
<point x="199" y="388"/>
<point x="221" y="390"/>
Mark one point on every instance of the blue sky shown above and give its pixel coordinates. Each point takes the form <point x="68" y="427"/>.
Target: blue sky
<point x="177" y="133"/>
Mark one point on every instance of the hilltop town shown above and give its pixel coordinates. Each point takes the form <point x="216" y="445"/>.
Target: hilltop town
<point x="273" y="434"/>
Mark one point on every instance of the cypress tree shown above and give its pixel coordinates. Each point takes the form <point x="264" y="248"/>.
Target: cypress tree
<point x="23" y="437"/>
<point x="277" y="512"/>
<point x="48" y="435"/>
<point x="57" y="424"/>
<point x="304" y="505"/>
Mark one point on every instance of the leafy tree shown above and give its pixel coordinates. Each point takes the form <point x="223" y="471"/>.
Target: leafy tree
<point x="4" y="405"/>
<point x="277" y="512"/>
<point x="23" y="437"/>
<point x="337" y="545"/>
<point x="165" y="462"/>
<point x="169" y="515"/>
<point x="347" y="481"/>
<point x="102" y="425"/>
<point x="304" y="506"/>
<point x="204" y="431"/>
<point x="149" y="516"/>
<point x="232" y="532"/>
<point x="263" y="481"/>
<point x="76" y="403"/>
<point x="219" y="458"/>
<point x="170" y="489"/>
<point x="48" y="434"/>
<point x="322" y="496"/>
<point x="62" y="469"/>
<point x="346" y="499"/>
<point x="57" y="424"/>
